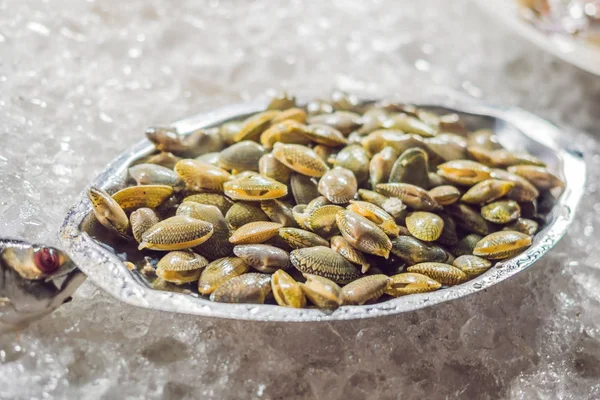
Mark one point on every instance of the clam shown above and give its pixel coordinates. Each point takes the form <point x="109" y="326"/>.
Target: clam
<point x="282" y="101"/>
<point x="279" y="212"/>
<point x="322" y="220"/>
<point x="181" y="267"/>
<point x="176" y="233"/>
<point x="341" y="100"/>
<point x="251" y="288"/>
<point x="319" y="106"/>
<point x="373" y="119"/>
<point x="300" y="215"/>
<point x="502" y="158"/>
<point x="324" y="262"/>
<point x="108" y="212"/>
<point x="436" y="180"/>
<point x="255" y="232"/>
<point x="356" y="159"/>
<point x="464" y="172"/>
<point x="487" y="191"/>
<point x="409" y="124"/>
<point x="411" y="195"/>
<point x="141" y="220"/>
<point x="242" y="213"/>
<point x="523" y="225"/>
<point x="445" y="194"/>
<point x="286" y="291"/>
<point x="290" y="114"/>
<point x="411" y="167"/>
<point x="449" y="236"/>
<point x="201" y="176"/>
<point x="262" y="257"/>
<point x="228" y="131"/>
<point x="254" y="188"/>
<point x="540" y="177"/>
<point x="271" y="168"/>
<point x="304" y="188"/>
<point x="376" y="215"/>
<point x="411" y="283"/>
<point x="414" y="251"/>
<point x="300" y="159"/>
<point x="445" y="274"/>
<point x="366" y="289"/>
<point x="472" y="265"/>
<point x="379" y="139"/>
<point x="391" y="205"/>
<point x="325" y="135"/>
<point x="317" y="202"/>
<point x="447" y="147"/>
<point x="211" y="199"/>
<point x="501" y="212"/>
<point x="322" y="292"/>
<point x="218" y="245"/>
<point x="425" y="226"/>
<point x="253" y="126"/>
<point x="152" y="174"/>
<point x="343" y="121"/>
<point x="523" y="191"/>
<point x="220" y="271"/>
<point x="338" y="185"/>
<point x="341" y="245"/>
<point x="148" y="196"/>
<point x="209" y="158"/>
<point x="300" y="238"/>
<point x="381" y="165"/>
<point x="467" y="218"/>
<point x="325" y="152"/>
<point x="483" y="138"/>
<point x="466" y="245"/>
<point x="241" y="156"/>
<point x="289" y="131"/>
<point x="164" y="159"/>
<point x="503" y="244"/>
<point x="191" y="144"/>
<point x="363" y="234"/>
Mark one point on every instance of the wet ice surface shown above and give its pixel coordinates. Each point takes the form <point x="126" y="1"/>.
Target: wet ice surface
<point x="79" y="82"/>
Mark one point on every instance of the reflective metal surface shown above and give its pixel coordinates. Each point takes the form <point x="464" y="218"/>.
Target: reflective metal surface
<point x="516" y="128"/>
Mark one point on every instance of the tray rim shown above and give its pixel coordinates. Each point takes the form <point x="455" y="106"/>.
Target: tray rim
<point x="580" y="54"/>
<point x="108" y="272"/>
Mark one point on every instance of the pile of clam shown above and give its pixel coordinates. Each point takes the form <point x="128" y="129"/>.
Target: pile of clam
<point x="336" y="203"/>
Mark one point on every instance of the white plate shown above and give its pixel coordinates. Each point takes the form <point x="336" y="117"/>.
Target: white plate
<point x="581" y="54"/>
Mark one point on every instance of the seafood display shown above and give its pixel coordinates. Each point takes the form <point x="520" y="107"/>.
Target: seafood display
<point x="577" y="18"/>
<point x="335" y="203"/>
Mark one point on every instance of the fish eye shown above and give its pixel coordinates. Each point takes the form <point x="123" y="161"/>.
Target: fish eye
<point x="47" y="259"/>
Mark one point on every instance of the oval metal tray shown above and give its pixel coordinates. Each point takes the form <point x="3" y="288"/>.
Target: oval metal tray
<point x="516" y="128"/>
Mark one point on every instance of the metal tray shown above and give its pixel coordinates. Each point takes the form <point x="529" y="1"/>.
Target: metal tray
<point x="516" y="128"/>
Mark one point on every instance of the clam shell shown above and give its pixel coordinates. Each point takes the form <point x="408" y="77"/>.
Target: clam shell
<point x="363" y="234"/>
<point x="254" y="188"/>
<point x="286" y="291"/>
<point x="181" y="267"/>
<point x="255" y="232"/>
<point x="503" y="244"/>
<point x="300" y="159"/>
<point x="338" y="185"/>
<point x="148" y="196"/>
<point x="324" y="262"/>
<point x="176" y="233"/>
<point x="219" y="271"/>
